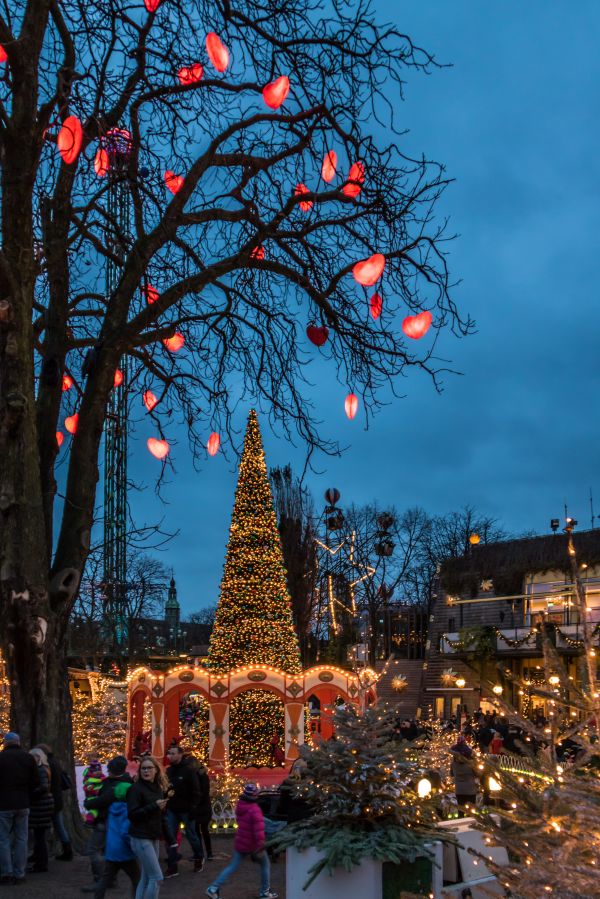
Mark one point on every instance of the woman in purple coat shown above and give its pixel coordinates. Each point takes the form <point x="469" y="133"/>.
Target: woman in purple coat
<point x="249" y="841"/>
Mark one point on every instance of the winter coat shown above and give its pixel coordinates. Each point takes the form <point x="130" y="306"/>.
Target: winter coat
<point x="183" y="778"/>
<point x="19" y="777"/>
<point x="41" y="809"/>
<point x="250" y="833"/>
<point x="118" y="846"/>
<point x="91" y="787"/>
<point x="56" y="782"/>
<point x="203" y="810"/>
<point x="466" y="782"/>
<point x="144" y="814"/>
<point x="100" y="802"/>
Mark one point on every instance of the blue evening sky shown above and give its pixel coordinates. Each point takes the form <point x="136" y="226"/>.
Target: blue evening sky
<point x="516" y="123"/>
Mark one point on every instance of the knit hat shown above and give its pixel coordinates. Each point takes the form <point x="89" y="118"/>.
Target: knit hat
<point x="11" y="737"/>
<point x="94" y="766"/>
<point x="250" y="791"/>
<point x="118" y="765"/>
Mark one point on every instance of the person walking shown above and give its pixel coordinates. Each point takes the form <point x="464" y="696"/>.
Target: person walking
<point x="118" y="854"/>
<point x="19" y="778"/>
<point x="93" y="778"/>
<point x="185" y="797"/>
<point x="99" y="805"/>
<point x="203" y="810"/>
<point x="466" y="781"/>
<point x="146" y="802"/>
<point x="59" y="782"/>
<point x="41" y="813"/>
<point x="249" y="843"/>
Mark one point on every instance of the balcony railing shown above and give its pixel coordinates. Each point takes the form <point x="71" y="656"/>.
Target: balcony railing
<point x="522" y="641"/>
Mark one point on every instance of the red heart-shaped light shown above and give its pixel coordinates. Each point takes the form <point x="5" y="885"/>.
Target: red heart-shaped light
<point x="69" y="139"/>
<point x="174" y="343"/>
<point x="101" y="163"/>
<point x="416" y="326"/>
<point x="151" y="5"/>
<point x="258" y="252"/>
<point x="151" y="294"/>
<point x="158" y="448"/>
<point x="368" y="271"/>
<point x="71" y="423"/>
<point x="351" y="405"/>
<point x="356" y="177"/>
<point x="59" y="438"/>
<point x="118" y="378"/>
<point x="274" y="94"/>
<point x="300" y="190"/>
<point x="174" y="182"/>
<point x="67" y="382"/>
<point x="150" y="400"/>
<point x="214" y="441"/>
<point x="217" y="52"/>
<point x="317" y="335"/>
<point x="190" y="74"/>
<point x="329" y="166"/>
<point x="375" y="306"/>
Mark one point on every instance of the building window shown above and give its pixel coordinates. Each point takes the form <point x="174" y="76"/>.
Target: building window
<point x="439" y="707"/>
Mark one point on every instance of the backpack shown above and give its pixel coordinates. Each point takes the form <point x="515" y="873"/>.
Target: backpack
<point x="118" y="846"/>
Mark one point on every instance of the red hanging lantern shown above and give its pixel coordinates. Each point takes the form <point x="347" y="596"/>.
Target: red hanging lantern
<point x="69" y="140"/>
<point x="174" y="343"/>
<point x="3" y="55"/>
<point x="416" y="326"/>
<point x="174" y="182"/>
<point x="274" y="94"/>
<point x="67" y="382"/>
<point x="60" y="438"/>
<point x="217" y="52"/>
<point x="258" y="252"/>
<point x="375" y="306"/>
<point x="190" y="74"/>
<point x="329" y="166"/>
<point x="152" y="294"/>
<point x="159" y="448"/>
<point x="71" y="423"/>
<point x="299" y="191"/>
<point x="351" y="405"/>
<point x="356" y="178"/>
<point x="150" y="401"/>
<point x="368" y="271"/>
<point x="118" y="378"/>
<point x="317" y="335"/>
<point x="214" y="441"/>
<point x="101" y="163"/>
<point x="152" y="5"/>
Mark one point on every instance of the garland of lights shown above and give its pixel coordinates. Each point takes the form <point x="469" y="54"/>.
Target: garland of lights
<point x="518" y="641"/>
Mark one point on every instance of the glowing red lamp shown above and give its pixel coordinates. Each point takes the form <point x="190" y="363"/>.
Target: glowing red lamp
<point x="217" y="52"/>
<point x="375" y="306"/>
<point x="190" y="74"/>
<point x="69" y="139"/>
<point x="60" y="438"/>
<point x="351" y="405"/>
<point x="329" y="166"/>
<point x="368" y="271"/>
<point x="151" y="5"/>
<point x="150" y="401"/>
<point x="174" y="182"/>
<point x="158" y="448"/>
<point x="356" y="178"/>
<point x="101" y="163"/>
<point x="174" y="343"/>
<point x="305" y="205"/>
<point x="67" y="382"/>
<point x="214" y="441"/>
<point x="152" y="294"/>
<point x="71" y="423"/>
<point x="416" y="326"/>
<point x="3" y="55"/>
<point x="258" y="252"/>
<point x="274" y="94"/>
<point x="118" y="378"/>
<point x="317" y="335"/>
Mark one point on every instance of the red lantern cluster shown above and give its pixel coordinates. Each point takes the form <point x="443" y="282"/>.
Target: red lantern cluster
<point x="174" y="182"/>
<point x="69" y="140"/>
<point x="67" y="382"/>
<point x="174" y="343"/>
<point x="190" y="74"/>
<point x="214" y="441"/>
<point x="150" y="401"/>
<point x="317" y="335"/>
<point x="217" y="51"/>
<point x="328" y="169"/>
<point x="416" y="326"/>
<point x="159" y="448"/>
<point x="356" y="178"/>
<point x="300" y="190"/>
<point x="368" y="271"/>
<point x="71" y="423"/>
<point x="101" y="163"/>
<point x="375" y="306"/>
<point x="275" y="93"/>
<point x="351" y="405"/>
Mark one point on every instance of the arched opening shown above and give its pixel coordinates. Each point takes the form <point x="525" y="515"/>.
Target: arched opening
<point x="193" y="724"/>
<point x="319" y="711"/>
<point x="140" y="724"/>
<point x="256" y="730"/>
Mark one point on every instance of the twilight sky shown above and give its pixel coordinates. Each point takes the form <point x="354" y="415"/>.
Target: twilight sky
<point x="516" y="123"/>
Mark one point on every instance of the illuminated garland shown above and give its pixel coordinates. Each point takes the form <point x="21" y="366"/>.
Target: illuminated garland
<point x="255" y="716"/>
<point x="99" y="723"/>
<point x="519" y="641"/>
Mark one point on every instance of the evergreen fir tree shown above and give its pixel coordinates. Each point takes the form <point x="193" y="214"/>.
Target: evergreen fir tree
<point x="254" y="623"/>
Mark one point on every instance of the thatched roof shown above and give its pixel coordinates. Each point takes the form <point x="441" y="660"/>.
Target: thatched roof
<point x="508" y="562"/>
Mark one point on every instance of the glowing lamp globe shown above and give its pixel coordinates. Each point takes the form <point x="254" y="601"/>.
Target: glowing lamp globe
<point x="351" y="405"/>
<point x="3" y="55"/>
<point x="67" y="382"/>
<point x="497" y="689"/>
<point x="151" y="294"/>
<point x="217" y="51"/>
<point x="174" y="343"/>
<point x="60" y="438"/>
<point x="101" y="163"/>
<point x="329" y="166"/>
<point x="150" y="400"/>
<point x="214" y="441"/>
<point x="356" y="178"/>
<point x="69" y="140"/>
<point x="375" y="306"/>
<point x="368" y="271"/>
<point x="424" y="787"/>
<point x="118" y="378"/>
<point x="71" y="423"/>
<point x="299" y="191"/>
<point x="317" y="335"/>
<point x="474" y="539"/>
<point x="554" y="680"/>
<point x="275" y="93"/>
<point x="174" y="182"/>
<point x="190" y="74"/>
<point x="494" y="785"/>
<point x="460" y="682"/>
<point x="158" y="448"/>
<point x="416" y="326"/>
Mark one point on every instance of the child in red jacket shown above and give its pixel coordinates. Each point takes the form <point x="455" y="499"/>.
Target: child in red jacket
<point x="249" y="841"/>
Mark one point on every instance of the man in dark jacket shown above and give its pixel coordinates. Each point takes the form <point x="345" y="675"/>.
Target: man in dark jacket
<point x="185" y="790"/>
<point x="57" y="787"/>
<point x="117" y="774"/>
<point x="19" y="778"/>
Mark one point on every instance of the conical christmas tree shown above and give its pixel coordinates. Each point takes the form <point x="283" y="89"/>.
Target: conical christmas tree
<point x="254" y="618"/>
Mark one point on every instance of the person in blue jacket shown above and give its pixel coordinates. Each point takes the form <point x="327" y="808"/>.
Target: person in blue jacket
<point x="117" y="852"/>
